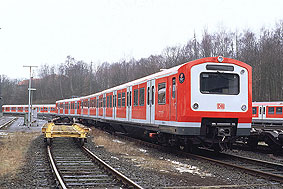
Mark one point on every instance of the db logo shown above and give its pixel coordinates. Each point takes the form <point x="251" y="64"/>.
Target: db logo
<point x="221" y="106"/>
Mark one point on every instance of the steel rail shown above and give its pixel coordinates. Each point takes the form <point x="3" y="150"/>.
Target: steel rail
<point x="8" y="122"/>
<point x="54" y="168"/>
<point x="120" y="176"/>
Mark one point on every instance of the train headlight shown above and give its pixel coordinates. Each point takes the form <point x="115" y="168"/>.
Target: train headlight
<point x="242" y="72"/>
<point x="220" y="58"/>
<point x="244" y="107"/>
<point x="195" y="106"/>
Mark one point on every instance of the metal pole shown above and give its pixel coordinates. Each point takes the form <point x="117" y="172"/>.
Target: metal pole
<point x="29" y="96"/>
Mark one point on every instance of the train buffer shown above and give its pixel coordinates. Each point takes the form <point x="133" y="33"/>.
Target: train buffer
<point x="52" y="130"/>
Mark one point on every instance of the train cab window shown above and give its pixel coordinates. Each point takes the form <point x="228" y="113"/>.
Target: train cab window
<point x="123" y="99"/>
<point x="162" y="93"/>
<point x="173" y="87"/>
<point x="141" y="96"/>
<point x="254" y="110"/>
<point x="270" y="110"/>
<point x="278" y="110"/>
<point x="136" y="97"/>
<point x="119" y="99"/>
<point x="219" y="83"/>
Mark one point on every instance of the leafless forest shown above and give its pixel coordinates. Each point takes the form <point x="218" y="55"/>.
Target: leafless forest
<point x="263" y="51"/>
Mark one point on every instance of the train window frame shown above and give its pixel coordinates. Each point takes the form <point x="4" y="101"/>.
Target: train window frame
<point x="162" y="93"/>
<point x="279" y="112"/>
<point x="141" y="96"/>
<point x="205" y="83"/>
<point x="136" y="97"/>
<point x="269" y="110"/>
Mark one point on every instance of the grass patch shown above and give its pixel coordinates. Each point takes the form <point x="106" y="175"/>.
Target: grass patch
<point x="13" y="148"/>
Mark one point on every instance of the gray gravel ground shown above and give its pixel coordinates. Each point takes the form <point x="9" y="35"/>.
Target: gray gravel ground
<point x="152" y="178"/>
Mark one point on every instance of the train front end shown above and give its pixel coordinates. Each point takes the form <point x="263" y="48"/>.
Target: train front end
<point x="217" y="100"/>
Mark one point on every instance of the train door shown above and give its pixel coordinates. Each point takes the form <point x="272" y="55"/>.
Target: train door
<point x="172" y="99"/>
<point x="150" y="107"/>
<point x="129" y="103"/>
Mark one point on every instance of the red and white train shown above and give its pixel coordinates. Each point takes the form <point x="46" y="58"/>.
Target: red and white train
<point x="203" y="102"/>
<point x="267" y="112"/>
<point x="20" y="109"/>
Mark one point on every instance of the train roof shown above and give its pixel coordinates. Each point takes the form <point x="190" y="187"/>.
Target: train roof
<point x="268" y="103"/>
<point x="35" y="105"/>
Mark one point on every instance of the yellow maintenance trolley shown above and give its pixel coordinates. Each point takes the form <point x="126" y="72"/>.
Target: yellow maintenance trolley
<point x="52" y="130"/>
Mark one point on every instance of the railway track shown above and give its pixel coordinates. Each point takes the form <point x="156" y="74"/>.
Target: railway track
<point x="5" y="123"/>
<point x="256" y="167"/>
<point x="77" y="167"/>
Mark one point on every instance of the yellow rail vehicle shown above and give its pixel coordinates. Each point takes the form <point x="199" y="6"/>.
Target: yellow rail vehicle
<point x="52" y="130"/>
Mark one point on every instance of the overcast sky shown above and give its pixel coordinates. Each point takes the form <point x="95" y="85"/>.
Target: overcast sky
<point x="36" y="32"/>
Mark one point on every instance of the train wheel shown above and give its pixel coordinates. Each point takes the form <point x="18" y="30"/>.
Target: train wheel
<point x="48" y="141"/>
<point x="82" y="141"/>
<point x="252" y="143"/>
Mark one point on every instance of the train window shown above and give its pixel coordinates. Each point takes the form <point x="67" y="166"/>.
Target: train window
<point x="162" y="93"/>
<point x="141" y="96"/>
<point x="110" y="99"/>
<point x="219" y="83"/>
<point x="127" y="98"/>
<point x="130" y="98"/>
<point x="270" y="110"/>
<point x="113" y="100"/>
<point x="152" y="95"/>
<point x="119" y="99"/>
<point x="107" y="101"/>
<point x="147" y="95"/>
<point x="136" y="97"/>
<point x="104" y="102"/>
<point x="173" y="87"/>
<point x="278" y="110"/>
<point x="123" y="99"/>
<point x="254" y="110"/>
<point x="263" y="110"/>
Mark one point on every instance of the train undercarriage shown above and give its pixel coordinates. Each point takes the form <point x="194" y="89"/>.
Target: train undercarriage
<point x="216" y="134"/>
